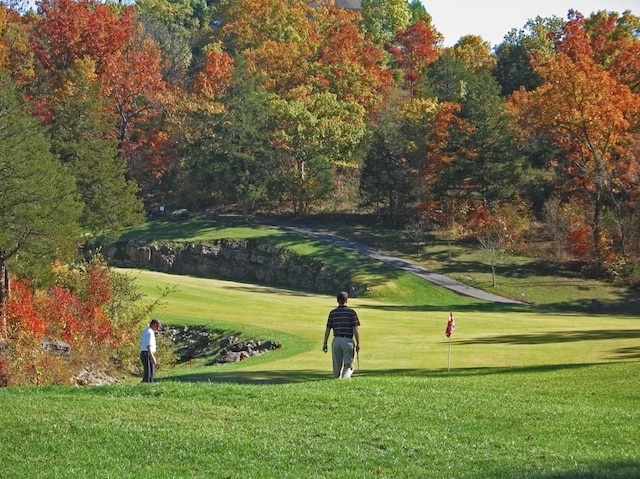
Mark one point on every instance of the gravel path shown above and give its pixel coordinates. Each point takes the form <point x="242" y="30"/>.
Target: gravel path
<point x="435" y="278"/>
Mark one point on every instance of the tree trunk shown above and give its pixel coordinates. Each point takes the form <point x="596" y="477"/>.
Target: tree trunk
<point x="597" y="212"/>
<point x="4" y="293"/>
<point x="245" y="210"/>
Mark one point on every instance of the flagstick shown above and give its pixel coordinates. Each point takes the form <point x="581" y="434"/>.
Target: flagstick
<point x="449" y="362"/>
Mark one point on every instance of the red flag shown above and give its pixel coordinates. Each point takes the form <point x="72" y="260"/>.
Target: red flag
<point x="451" y="326"/>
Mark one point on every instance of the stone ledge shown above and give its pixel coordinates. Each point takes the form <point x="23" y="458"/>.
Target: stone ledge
<point x="240" y="260"/>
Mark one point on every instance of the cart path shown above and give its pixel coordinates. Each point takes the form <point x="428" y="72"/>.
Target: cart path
<point x="413" y="268"/>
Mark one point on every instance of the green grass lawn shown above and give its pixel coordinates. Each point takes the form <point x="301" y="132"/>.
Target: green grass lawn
<point x="541" y="283"/>
<point x="396" y="338"/>
<point x="555" y="422"/>
<point x="532" y="392"/>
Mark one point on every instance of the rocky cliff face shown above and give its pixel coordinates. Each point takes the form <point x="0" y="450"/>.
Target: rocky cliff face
<point x="241" y="260"/>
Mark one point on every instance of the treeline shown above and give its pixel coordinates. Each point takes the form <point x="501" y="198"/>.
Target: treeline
<point x="289" y="105"/>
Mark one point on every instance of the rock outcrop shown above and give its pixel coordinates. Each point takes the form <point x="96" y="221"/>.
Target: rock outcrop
<point x="241" y="260"/>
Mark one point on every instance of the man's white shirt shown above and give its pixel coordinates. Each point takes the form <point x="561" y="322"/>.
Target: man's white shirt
<point x="148" y="339"/>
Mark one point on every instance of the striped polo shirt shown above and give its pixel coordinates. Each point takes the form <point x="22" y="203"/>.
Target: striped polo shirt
<point x="342" y="320"/>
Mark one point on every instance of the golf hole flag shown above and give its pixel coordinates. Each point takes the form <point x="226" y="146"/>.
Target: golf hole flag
<point x="451" y="326"/>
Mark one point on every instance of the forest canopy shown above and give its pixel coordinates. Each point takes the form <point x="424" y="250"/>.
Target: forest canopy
<point x="295" y="106"/>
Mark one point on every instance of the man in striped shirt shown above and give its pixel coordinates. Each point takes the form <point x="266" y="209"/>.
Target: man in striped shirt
<point x="345" y="323"/>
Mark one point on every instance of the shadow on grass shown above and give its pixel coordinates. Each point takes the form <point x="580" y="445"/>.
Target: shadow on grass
<point x="457" y="372"/>
<point x="556" y="337"/>
<point x="627" y="469"/>
<point x="170" y="230"/>
<point x="301" y="376"/>
<point x="626" y="353"/>
<point x="472" y="307"/>
<point x="253" y="377"/>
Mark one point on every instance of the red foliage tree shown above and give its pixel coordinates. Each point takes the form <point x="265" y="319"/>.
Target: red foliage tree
<point x="22" y="313"/>
<point x="69" y="30"/>
<point x="415" y="48"/>
<point x="73" y="311"/>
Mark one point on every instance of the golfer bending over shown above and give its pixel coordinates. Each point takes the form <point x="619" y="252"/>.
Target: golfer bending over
<point x="344" y="322"/>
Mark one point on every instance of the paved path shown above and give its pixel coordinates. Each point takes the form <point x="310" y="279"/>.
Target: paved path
<point x="435" y="278"/>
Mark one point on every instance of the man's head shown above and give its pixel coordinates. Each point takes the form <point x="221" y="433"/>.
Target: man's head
<point x="155" y="324"/>
<point x="342" y="297"/>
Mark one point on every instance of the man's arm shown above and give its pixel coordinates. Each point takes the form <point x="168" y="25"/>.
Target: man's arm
<point x="326" y="338"/>
<point x="356" y="333"/>
<point x="326" y="334"/>
<point x="151" y="355"/>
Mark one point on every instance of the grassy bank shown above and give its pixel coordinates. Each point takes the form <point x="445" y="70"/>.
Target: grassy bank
<point x="556" y="422"/>
<point x="545" y="284"/>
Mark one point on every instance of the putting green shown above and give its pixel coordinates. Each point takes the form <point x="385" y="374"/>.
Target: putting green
<point x="395" y="338"/>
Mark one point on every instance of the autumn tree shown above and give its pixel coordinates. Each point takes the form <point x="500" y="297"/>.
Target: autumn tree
<point x="616" y="45"/>
<point x="318" y="50"/>
<point x="38" y="208"/>
<point x="414" y="49"/>
<point x="327" y="76"/>
<point x="475" y="53"/>
<point x="16" y="55"/>
<point x="135" y="85"/>
<point x="128" y="65"/>
<point x="592" y="115"/>
<point x="314" y="135"/>
<point x="177" y="33"/>
<point x="68" y="30"/>
<point x="250" y="24"/>
<point x="348" y="64"/>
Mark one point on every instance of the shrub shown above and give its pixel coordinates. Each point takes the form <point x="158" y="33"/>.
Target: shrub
<point x="94" y="309"/>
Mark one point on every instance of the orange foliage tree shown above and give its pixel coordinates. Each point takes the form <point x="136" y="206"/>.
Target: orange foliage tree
<point x="305" y="49"/>
<point x="215" y="77"/>
<point x="347" y="63"/>
<point x="587" y="107"/>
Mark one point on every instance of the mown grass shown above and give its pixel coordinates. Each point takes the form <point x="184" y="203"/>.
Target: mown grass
<point x="531" y="393"/>
<point x="396" y="338"/>
<point x="559" y="422"/>
<point x="545" y="283"/>
<point x="542" y="283"/>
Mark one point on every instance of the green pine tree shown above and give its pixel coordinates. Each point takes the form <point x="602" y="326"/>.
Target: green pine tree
<point x="82" y="136"/>
<point x="38" y="207"/>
